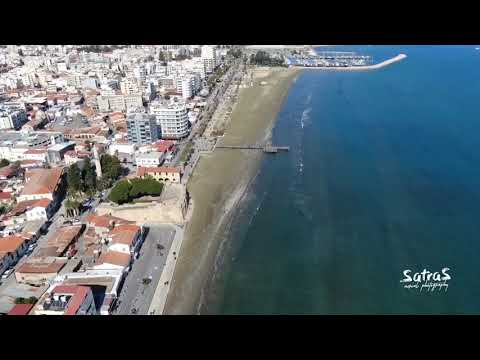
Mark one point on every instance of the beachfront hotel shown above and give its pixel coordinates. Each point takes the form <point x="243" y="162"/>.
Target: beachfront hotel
<point x="172" y="118"/>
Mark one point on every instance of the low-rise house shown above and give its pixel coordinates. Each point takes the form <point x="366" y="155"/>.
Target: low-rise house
<point x="113" y="260"/>
<point x="43" y="184"/>
<point x="66" y="300"/>
<point x="38" y="271"/>
<point x="31" y="210"/>
<point x="71" y="157"/>
<point x="150" y="159"/>
<point x="125" y="238"/>
<point x="104" y="223"/>
<point x="31" y="164"/>
<point x="164" y="146"/>
<point x="162" y="173"/>
<point x="36" y="155"/>
<point x="121" y="147"/>
<point x="104" y="284"/>
<point x="12" y="248"/>
<point x="62" y="242"/>
<point x="8" y="172"/>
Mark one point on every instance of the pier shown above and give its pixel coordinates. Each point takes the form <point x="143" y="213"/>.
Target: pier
<point x="269" y="149"/>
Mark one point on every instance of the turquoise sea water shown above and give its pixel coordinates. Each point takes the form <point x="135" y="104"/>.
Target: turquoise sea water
<point x="383" y="175"/>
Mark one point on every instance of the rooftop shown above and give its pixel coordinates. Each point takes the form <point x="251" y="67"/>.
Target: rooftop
<point x="41" y="181"/>
<point x="12" y="243"/>
<point x="114" y="258"/>
<point x="105" y="220"/>
<point x="21" y="309"/>
<point x="42" y="265"/>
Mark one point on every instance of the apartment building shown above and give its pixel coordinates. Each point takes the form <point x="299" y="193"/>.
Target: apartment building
<point x="172" y="118"/>
<point x="209" y="58"/>
<point x="142" y="129"/>
<point x="118" y="102"/>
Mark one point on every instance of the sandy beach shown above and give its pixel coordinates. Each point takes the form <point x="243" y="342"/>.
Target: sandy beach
<point x="219" y="182"/>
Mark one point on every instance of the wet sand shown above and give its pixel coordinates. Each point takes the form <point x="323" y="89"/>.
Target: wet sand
<point x="219" y="182"/>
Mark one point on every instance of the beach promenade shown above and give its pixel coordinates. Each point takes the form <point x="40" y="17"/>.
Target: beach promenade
<point x="161" y="292"/>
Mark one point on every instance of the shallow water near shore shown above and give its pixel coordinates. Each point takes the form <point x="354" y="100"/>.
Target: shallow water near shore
<point x="382" y="176"/>
<point x="217" y="186"/>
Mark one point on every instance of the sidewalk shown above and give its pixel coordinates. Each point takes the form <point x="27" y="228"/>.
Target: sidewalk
<point x="161" y="292"/>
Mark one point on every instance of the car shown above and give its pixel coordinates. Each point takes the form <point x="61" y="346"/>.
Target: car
<point x="7" y="273"/>
<point x="31" y="247"/>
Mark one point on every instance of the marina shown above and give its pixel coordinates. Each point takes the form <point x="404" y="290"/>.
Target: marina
<point x="330" y="59"/>
<point x="335" y="60"/>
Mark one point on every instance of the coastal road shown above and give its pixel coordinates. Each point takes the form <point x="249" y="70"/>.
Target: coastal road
<point x="151" y="261"/>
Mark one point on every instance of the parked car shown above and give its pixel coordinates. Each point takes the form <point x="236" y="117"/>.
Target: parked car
<point x="7" y="273"/>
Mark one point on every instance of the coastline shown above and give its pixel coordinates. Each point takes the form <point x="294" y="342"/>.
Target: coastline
<point x="219" y="184"/>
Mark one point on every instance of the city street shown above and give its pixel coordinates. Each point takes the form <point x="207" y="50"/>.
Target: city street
<point x="135" y="294"/>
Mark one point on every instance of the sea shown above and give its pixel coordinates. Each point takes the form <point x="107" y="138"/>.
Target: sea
<point x="382" y="179"/>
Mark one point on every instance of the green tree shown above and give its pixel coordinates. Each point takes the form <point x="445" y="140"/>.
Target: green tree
<point x="147" y="186"/>
<point x="72" y="206"/>
<point x="127" y="190"/>
<point x="111" y="167"/>
<point x="4" y="162"/>
<point x="74" y="179"/>
<point x="120" y="193"/>
<point x="19" y="300"/>
<point x="89" y="177"/>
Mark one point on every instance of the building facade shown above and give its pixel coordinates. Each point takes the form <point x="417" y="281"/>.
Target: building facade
<point x="142" y="129"/>
<point x="172" y="119"/>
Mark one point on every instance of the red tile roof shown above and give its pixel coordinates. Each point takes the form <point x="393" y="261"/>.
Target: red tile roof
<point x="21" y="309"/>
<point x="42" y="181"/>
<point x="127" y="238"/>
<point x="12" y="243"/>
<point x="7" y="171"/>
<point x="163" y="146"/>
<point x="23" y="206"/>
<point x="5" y="195"/>
<point x="41" y="267"/>
<point x="63" y="238"/>
<point x="114" y="258"/>
<point x="36" y="151"/>
<point x="105" y="220"/>
<point x="79" y="294"/>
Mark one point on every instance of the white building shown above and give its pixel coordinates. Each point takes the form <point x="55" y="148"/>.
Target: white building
<point x="172" y="118"/>
<point x="209" y="58"/>
<point x="129" y="86"/>
<point x="121" y="147"/>
<point x="151" y="159"/>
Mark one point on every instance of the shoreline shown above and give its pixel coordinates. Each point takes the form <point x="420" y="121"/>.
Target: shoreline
<point x="220" y="182"/>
